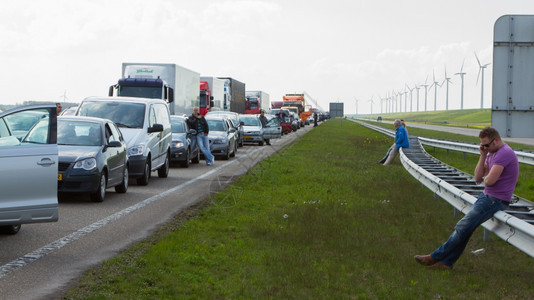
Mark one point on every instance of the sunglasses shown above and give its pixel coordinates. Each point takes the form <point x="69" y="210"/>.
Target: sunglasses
<point x="488" y="144"/>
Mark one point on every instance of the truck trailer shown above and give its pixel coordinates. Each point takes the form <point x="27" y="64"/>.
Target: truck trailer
<point x="178" y="86"/>
<point x="256" y="101"/>
<point x="235" y="100"/>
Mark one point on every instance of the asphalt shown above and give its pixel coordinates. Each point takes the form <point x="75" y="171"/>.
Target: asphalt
<point x="469" y="132"/>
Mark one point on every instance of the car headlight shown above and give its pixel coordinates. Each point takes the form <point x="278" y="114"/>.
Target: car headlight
<point x="177" y="143"/>
<point x="86" y="164"/>
<point x="219" y="141"/>
<point x="136" y="150"/>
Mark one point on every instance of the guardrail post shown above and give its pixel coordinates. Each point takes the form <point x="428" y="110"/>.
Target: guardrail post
<point x="436" y="197"/>
<point x="456" y="211"/>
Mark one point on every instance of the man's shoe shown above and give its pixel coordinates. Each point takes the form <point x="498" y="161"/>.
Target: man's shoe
<point x="439" y="266"/>
<point x="425" y="260"/>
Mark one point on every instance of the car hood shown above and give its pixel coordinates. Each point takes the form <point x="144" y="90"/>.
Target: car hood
<point x="217" y="134"/>
<point x="251" y="128"/>
<point x="74" y="153"/>
<point x="178" y="136"/>
<point x="133" y="136"/>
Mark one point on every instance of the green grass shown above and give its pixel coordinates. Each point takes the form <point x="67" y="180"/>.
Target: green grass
<point x="319" y="220"/>
<point x="472" y="118"/>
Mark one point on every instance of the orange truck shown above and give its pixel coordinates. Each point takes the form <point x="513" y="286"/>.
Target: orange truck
<point x="298" y="101"/>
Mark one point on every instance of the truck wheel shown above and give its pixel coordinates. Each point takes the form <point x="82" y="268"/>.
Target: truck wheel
<point x="163" y="171"/>
<point x="143" y="180"/>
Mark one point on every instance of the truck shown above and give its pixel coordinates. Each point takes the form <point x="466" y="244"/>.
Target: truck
<point x="218" y="92"/>
<point x="177" y="85"/>
<point x="206" y="99"/>
<point x="296" y="102"/>
<point x="256" y="101"/>
<point x="235" y="95"/>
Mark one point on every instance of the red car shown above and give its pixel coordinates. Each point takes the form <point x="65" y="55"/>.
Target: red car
<point x="286" y="125"/>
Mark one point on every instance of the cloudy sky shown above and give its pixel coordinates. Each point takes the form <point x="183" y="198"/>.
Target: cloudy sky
<point x="349" y="51"/>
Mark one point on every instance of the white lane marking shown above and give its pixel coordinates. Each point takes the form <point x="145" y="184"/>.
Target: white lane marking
<point x="80" y="233"/>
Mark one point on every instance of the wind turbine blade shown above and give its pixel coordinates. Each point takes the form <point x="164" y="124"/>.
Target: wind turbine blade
<point x="426" y="78"/>
<point x="479" y="69"/>
<point x="478" y="60"/>
<point x="462" y="68"/>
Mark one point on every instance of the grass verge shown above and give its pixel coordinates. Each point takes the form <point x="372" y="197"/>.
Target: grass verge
<point x="320" y="219"/>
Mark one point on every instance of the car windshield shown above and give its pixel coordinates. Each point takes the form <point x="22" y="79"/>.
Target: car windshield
<point x="78" y="133"/>
<point x="124" y="114"/>
<point x="178" y="126"/>
<point x="250" y="121"/>
<point x="216" y="125"/>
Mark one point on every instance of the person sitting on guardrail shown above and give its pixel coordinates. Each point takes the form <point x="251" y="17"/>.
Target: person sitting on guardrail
<point x="498" y="168"/>
<point x="401" y="140"/>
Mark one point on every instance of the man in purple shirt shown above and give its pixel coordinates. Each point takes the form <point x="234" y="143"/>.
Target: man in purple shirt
<point x="498" y="168"/>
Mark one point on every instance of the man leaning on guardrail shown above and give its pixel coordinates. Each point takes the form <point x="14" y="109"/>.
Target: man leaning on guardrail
<point x="401" y="140"/>
<point x="498" y="168"/>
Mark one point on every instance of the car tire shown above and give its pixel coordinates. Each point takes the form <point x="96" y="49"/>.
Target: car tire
<point x="10" y="229"/>
<point x="100" y="193"/>
<point x="163" y="171"/>
<point x="143" y="180"/>
<point x="235" y="150"/>
<point x="196" y="159"/>
<point x="260" y="143"/>
<point x="185" y="163"/>
<point x="226" y="156"/>
<point x="123" y="186"/>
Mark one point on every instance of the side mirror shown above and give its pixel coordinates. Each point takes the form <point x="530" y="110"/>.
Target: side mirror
<point x="242" y="123"/>
<point x="191" y="131"/>
<point x="171" y="95"/>
<point x="155" y="128"/>
<point x="232" y="130"/>
<point x="110" y="92"/>
<point x="114" y="144"/>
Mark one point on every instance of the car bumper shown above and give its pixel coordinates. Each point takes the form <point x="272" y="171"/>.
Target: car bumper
<point x="252" y="138"/>
<point x="137" y="166"/>
<point x="178" y="154"/>
<point x="78" y="183"/>
<point x="218" y="149"/>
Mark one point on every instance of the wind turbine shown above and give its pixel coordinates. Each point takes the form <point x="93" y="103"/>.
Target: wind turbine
<point x="411" y="97"/>
<point x="448" y="79"/>
<point x="371" y="104"/>
<point x="64" y="96"/>
<point x="405" y="100"/>
<point x="481" y="69"/>
<point x="417" y="88"/>
<point x="462" y="77"/>
<point x="435" y="84"/>
<point x="425" y="85"/>
<point x="400" y="101"/>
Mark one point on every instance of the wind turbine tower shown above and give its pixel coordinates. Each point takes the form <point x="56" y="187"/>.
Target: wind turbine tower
<point x="411" y="97"/>
<point x="371" y="104"/>
<point x="426" y="86"/>
<point x="405" y="100"/>
<point x="481" y="70"/>
<point x="448" y="80"/>
<point x="435" y="84"/>
<point x="417" y="88"/>
<point x="462" y="77"/>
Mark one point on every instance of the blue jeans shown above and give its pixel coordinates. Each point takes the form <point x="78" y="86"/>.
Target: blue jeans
<point x="204" y="146"/>
<point x="483" y="209"/>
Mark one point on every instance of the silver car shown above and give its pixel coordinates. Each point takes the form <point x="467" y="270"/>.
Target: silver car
<point x="30" y="161"/>
<point x="222" y="137"/>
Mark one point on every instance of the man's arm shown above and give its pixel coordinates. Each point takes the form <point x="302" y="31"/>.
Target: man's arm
<point x="481" y="170"/>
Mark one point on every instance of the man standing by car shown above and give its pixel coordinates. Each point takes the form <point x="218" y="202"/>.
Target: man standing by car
<point x="264" y="121"/>
<point x="196" y="121"/>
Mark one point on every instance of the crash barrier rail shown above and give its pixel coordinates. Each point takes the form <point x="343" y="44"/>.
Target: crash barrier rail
<point x="522" y="156"/>
<point x="515" y="225"/>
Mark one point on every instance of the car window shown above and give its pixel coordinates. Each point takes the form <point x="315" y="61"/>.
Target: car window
<point x="162" y="115"/>
<point x="124" y="114"/>
<point x="152" y="117"/>
<point x="178" y="126"/>
<point x="79" y="133"/>
<point x="117" y="136"/>
<point x="216" y="125"/>
<point x="273" y="122"/>
<point x="21" y="122"/>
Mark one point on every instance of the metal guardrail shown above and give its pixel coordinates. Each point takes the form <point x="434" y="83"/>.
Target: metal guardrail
<point x="514" y="225"/>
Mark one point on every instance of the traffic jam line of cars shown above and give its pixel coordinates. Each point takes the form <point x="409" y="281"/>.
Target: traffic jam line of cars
<point x="106" y="142"/>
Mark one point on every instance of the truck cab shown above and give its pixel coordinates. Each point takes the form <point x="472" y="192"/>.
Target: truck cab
<point x="206" y="99"/>
<point x="153" y="88"/>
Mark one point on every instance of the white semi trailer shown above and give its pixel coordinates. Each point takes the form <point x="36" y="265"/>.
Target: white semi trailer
<point x="178" y="86"/>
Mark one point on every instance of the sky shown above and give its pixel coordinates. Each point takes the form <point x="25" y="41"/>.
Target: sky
<point x="351" y="51"/>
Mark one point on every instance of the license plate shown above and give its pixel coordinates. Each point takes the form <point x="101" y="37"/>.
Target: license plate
<point x="246" y="136"/>
<point x="59" y="177"/>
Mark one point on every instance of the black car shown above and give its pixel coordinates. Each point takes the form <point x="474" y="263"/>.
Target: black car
<point x="184" y="147"/>
<point x="92" y="157"/>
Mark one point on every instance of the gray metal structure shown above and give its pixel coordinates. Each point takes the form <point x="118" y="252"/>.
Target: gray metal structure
<point x="513" y="76"/>
<point x="336" y="109"/>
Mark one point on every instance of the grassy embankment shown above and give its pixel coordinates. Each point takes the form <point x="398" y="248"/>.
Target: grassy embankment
<point x="319" y="220"/>
<point x="472" y="118"/>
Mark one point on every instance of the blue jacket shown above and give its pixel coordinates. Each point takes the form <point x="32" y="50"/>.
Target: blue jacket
<point x="401" y="138"/>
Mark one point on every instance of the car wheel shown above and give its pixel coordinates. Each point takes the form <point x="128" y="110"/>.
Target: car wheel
<point x="260" y="143"/>
<point x="235" y="150"/>
<point x="10" y="229"/>
<point x="123" y="187"/>
<point x="196" y="159"/>
<point x="185" y="163"/>
<point x="143" y="180"/>
<point x="100" y="193"/>
<point x="163" y="171"/>
<point x="227" y="154"/>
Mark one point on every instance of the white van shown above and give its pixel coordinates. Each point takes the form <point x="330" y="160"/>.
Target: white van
<point x="146" y="127"/>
